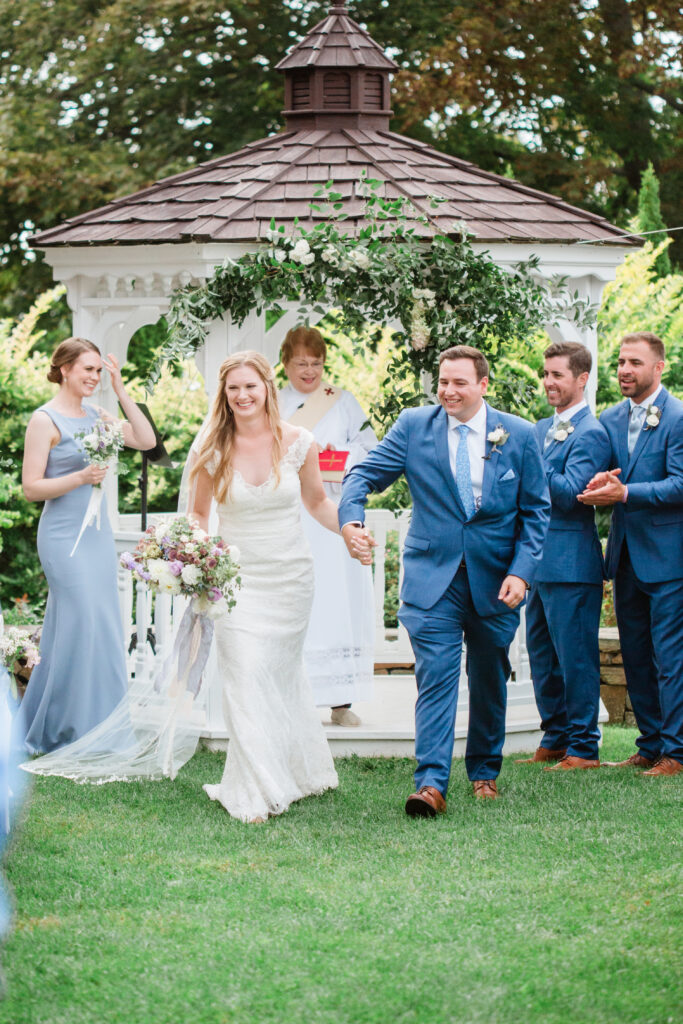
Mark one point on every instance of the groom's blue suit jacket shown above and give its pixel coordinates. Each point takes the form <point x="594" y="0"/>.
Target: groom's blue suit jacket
<point x="651" y="521"/>
<point x="506" y="534"/>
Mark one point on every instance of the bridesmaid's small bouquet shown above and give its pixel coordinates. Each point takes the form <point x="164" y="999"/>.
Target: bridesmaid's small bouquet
<point x="101" y="446"/>
<point x="18" y="652"/>
<point x="178" y="557"/>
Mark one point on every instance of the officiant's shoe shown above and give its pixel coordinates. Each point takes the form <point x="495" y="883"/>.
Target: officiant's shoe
<point x="634" y="761"/>
<point x="570" y="763"/>
<point x="542" y="754"/>
<point x="344" y="716"/>
<point x="485" y="789"/>
<point x="426" y="803"/>
<point x="665" y="766"/>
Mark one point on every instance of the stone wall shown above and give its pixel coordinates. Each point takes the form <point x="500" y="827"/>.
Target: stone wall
<point x="612" y="678"/>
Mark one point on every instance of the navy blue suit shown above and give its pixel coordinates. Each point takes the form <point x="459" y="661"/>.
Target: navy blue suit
<point x="563" y="609"/>
<point x="645" y="558"/>
<point x="442" y="598"/>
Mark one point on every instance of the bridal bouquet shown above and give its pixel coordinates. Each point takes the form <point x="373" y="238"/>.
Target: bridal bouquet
<point x="178" y="557"/>
<point x="101" y="446"/>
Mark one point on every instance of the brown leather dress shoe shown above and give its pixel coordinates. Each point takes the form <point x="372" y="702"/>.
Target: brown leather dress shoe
<point x="426" y="803"/>
<point x="542" y="754"/>
<point x="570" y="763"/>
<point x="485" y="789"/>
<point x="665" y="766"/>
<point x="634" y="761"/>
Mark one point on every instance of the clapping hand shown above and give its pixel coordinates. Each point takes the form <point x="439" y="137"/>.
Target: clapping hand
<point x="604" y="489"/>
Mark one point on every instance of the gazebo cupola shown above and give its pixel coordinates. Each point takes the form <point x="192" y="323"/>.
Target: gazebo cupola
<point x="337" y="77"/>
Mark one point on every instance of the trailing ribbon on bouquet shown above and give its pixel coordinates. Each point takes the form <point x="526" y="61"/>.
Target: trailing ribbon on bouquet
<point x="93" y="514"/>
<point x="101" y="446"/>
<point x="181" y="676"/>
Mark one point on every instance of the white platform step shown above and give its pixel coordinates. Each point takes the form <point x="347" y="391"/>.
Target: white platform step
<point x="388" y="724"/>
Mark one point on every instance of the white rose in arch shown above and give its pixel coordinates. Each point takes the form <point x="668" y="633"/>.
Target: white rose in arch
<point x="280" y="255"/>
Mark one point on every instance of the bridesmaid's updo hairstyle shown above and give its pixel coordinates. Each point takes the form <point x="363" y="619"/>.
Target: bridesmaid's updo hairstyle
<point x="67" y="352"/>
<point x="215" y="445"/>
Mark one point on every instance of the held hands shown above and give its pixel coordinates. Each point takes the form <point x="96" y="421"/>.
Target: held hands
<point x="512" y="591"/>
<point x="93" y="474"/>
<point x="359" y="543"/>
<point x="603" y="489"/>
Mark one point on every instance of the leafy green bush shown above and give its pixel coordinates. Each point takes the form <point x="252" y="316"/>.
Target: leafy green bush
<point x="23" y="387"/>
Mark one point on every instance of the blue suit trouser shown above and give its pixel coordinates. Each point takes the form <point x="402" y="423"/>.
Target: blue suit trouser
<point x="650" y="621"/>
<point x="437" y="637"/>
<point x="562" y="623"/>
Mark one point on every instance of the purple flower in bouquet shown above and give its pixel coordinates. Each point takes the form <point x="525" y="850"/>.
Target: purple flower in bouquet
<point x="176" y="567"/>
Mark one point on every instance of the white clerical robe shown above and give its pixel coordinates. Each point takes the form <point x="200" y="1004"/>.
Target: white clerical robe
<point x="339" y="648"/>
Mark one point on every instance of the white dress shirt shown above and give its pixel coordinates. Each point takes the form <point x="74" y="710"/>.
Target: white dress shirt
<point x="568" y="414"/>
<point x="476" y="447"/>
<point x="651" y="400"/>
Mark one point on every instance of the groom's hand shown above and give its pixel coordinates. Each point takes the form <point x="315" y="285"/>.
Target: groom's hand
<point x="512" y="591"/>
<point x="359" y="542"/>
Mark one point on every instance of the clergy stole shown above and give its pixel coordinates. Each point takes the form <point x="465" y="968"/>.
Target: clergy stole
<point x="308" y="415"/>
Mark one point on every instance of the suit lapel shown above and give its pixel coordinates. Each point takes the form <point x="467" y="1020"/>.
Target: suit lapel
<point x="490" y="461"/>
<point x="443" y="456"/>
<point x="622" y="437"/>
<point x="644" y="436"/>
<point x="567" y="443"/>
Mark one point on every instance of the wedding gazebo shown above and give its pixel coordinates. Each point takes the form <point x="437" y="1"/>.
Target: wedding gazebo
<point x="121" y="262"/>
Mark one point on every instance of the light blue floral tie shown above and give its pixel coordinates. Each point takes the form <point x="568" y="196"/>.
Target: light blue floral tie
<point x="462" y="472"/>
<point x="635" y="425"/>
<point x="549" y="437"/>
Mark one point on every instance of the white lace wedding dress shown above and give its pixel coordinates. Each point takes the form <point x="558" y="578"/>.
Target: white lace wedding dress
<point x="277" y="750"/>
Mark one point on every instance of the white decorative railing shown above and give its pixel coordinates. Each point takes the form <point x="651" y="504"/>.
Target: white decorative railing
<point x="148" y="619"/>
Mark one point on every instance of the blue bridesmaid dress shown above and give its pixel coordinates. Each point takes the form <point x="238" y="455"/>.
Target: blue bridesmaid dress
<point x="81" y="676"/>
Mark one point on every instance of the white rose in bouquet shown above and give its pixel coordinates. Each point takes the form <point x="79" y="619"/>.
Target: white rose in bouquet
<point x="191" y="575"/>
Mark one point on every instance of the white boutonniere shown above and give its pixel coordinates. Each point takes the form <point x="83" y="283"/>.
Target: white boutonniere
<point x="653" y="415"/>
<point x="498" y="437"/>
<point x="563" y="429"/>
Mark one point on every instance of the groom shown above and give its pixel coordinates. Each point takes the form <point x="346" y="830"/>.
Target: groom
<point x="480" y="514"/>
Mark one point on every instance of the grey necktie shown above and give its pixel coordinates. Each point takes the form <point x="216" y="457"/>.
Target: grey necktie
<point x="635" y="425"/>
<point x="551" y="430"/>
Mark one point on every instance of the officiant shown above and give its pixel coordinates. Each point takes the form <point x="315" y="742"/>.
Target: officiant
<point x="339" y="648"/>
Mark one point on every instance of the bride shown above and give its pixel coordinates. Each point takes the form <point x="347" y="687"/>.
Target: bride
<point x="257" y="469"/>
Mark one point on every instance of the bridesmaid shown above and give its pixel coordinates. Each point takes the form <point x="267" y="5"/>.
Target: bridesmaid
<point x="81" y="676"/>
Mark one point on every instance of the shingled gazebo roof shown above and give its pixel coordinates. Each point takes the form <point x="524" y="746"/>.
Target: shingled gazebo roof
<point x="337" y="127"/>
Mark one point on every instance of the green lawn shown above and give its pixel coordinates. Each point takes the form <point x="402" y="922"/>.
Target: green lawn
<point x="144" y="902"/>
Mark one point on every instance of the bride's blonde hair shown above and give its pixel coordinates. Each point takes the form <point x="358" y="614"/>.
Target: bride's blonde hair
<point x="218" y="435"/>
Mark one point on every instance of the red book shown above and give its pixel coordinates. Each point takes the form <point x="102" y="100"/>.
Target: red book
<point x="332" y="465"/>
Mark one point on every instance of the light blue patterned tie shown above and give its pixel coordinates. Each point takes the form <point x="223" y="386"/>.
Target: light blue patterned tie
<point x="462" y="472"/>
<point x="635" y="425"/>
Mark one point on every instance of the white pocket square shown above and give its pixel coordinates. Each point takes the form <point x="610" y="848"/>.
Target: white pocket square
<point x="510" y="475"/>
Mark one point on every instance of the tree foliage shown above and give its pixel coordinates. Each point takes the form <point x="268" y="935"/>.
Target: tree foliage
<point x="101" y="97"/>
<point x="650" y="220"/>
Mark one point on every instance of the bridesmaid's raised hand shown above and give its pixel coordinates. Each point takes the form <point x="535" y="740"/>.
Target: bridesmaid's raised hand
<point x="111" y="363"/>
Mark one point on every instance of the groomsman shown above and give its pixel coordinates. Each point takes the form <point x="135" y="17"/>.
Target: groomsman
<point x="563" y="608"/>
<point x="645" y="548"/>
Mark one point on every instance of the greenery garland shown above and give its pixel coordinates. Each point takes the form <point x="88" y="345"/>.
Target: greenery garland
<point x="438" y="289"/>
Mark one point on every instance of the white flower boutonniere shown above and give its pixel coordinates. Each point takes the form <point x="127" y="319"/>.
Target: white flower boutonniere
<point x="563" y="429"/>
<point x="653" y="415"/>
<point x="498" y="437"/>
